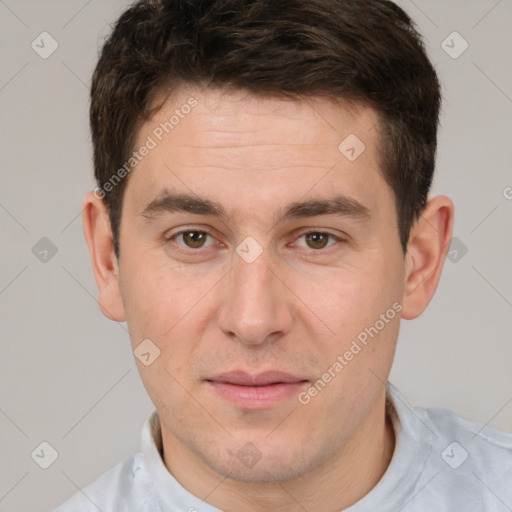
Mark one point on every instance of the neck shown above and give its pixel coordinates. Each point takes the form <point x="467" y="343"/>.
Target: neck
<point x="338" y="483"/>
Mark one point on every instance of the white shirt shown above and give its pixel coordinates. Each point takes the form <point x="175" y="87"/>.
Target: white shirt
<point x="441" y="463"/>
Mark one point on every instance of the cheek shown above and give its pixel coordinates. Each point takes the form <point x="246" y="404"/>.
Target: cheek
<point x="344" y="301"/>
<point x="160" y="308"/>
<point x="168" y="308"/>
<point x="361" y="306"/>
<point x="149" y="295"/>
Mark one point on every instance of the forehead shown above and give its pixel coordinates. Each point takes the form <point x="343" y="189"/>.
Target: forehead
<point x="240" y="118"/>
<point x="232" y="142"/>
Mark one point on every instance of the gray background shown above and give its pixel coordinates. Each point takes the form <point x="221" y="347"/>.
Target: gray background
<point x="67" y="373"/>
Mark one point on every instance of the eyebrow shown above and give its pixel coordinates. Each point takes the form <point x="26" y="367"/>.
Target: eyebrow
<point x="180" y="202"/>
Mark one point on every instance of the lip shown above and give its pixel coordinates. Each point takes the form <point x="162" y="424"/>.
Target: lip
<point x="261" y="391"/>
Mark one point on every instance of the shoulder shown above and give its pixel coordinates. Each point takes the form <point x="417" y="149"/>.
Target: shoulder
<point x="124" y="487"/>
<point x="469" y="461"/>
<point x="484" y="443"/>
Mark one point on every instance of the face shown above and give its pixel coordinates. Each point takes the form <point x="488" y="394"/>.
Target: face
<point x="272" y="291"/>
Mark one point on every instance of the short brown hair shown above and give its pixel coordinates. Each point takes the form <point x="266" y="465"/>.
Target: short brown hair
<point x="366" y="51"/>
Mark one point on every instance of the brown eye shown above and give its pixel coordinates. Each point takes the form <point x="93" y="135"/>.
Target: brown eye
<point x="317" y="240"/>
<point x="193" y="239"/>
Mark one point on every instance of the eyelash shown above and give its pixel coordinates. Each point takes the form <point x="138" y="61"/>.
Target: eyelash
<point x="188" y="250"/>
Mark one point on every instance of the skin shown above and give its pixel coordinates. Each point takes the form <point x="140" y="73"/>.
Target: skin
<point x="296" y="308"/>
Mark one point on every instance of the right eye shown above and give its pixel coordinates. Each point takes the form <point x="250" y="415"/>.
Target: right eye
<point x="192" y="239"/>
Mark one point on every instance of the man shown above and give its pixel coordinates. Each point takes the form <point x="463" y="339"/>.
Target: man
<point x="262" y="223"/>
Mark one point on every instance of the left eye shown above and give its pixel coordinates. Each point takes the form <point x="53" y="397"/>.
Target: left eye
<point x="317" y="239"/>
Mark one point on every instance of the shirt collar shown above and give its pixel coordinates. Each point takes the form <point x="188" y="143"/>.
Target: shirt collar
<point x="168" y="492"/>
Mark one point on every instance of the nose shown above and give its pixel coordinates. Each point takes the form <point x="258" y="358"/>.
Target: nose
<point x="255" y="308"/>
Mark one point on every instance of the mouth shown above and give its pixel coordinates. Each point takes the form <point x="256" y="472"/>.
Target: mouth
<point x="261" y="391"/>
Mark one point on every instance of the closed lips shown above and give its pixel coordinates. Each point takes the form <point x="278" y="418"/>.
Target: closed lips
<point x="259" y="380"/>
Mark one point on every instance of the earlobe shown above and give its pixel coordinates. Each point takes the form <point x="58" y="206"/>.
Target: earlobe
<point x="98" y="235"/>
<point x="426" y="252"/>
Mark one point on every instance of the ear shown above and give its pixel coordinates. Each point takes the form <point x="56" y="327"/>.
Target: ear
<point x="98" y="236"/>
<point x="426" y="253"/>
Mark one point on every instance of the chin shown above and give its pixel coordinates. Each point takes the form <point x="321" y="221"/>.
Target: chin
<point x="271" y="464"/>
